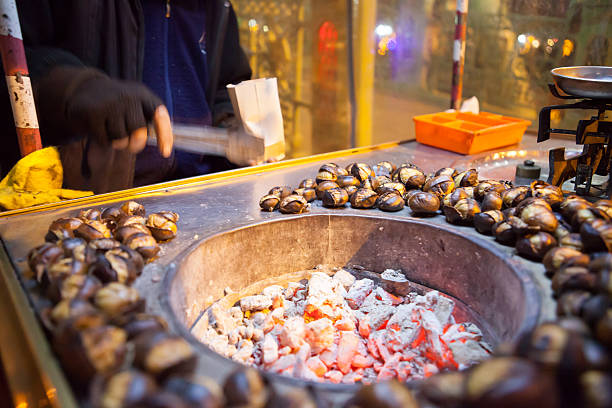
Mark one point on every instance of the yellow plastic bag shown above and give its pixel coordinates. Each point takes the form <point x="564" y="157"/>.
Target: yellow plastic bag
<point x="36" y="179"/>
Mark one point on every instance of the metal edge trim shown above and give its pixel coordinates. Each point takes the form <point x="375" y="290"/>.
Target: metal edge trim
<point x="204" y="179"/>
<point x="50" y="375"/>
<point x="557" y="73"/>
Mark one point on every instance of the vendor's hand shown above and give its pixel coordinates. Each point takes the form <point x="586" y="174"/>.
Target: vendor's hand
<point x="118" y="112"/>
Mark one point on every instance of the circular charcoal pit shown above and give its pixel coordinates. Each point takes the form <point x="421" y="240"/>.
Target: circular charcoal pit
<point x="488" y="289"/>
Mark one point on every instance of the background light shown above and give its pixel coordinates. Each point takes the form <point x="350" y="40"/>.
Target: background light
<point x="522" y="38"/>
<point x="383" y="30"/>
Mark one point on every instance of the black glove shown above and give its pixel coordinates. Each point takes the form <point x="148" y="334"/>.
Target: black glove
<point x="109" y="109"/>
<point x="79" y="101"/>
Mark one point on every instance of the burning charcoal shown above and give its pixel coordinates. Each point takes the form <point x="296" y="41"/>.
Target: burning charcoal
<point x="388" y="394"/>
<point x="393" y="275"/>
<point x="255" y="303"/>
<point x="320" y="334"/>
<point x="358" y="292"/>
<point x="245" y="387"/>
<point x="122" y="389"/>
<point x="163" y="354"/>
<point x="269" y="349"/>
<point x="510" y="382"/>
<point x="345" y="278"/>
<point x="269" y="202"/>
<point x="280" y="191"/>
<point x="220" y="319"/>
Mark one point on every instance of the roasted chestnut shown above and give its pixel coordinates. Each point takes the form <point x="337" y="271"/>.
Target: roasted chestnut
<point x="309" y="194"/>
<point x="201" y="392"/>
<point x="552" y="194"/>
<point x="123" y="233"/>
<point x="571" y="241"/>
<point x="269" y="202"/>
<point x="462" y="212"/>
<point x="446" y="171"/>
<point x="570" y="303"/>
<point x="604" y="281"/>
<point x="560" y="256"/>
<point x="422" y="203"/>
<point x="509" y="230"/>
<point x="362" y="171"/>
<point x="454" y="197"/>
<point x="79" y="287"/>
<point x="162" y="354"/>
<point x="484" y="221"/>
<point x="145" y="244"/>
<point x="387" y="394"/>
<point x="390" y="201"/>
<point x="596" y="235"/>
<point x="133" y="208"/>
<point x="85" y="352"/>
<point x="90" y="214"/>
<point x="90" y="230"/>
<point x="69" y="309"/>
<point x="111" y="215"/>
<point x="326" y="175"/>
<point x="61" y="269"/>
<point x="409" y="194"/>
<point x="605" y="206"/>
<point x="131" y="220"/>
<point x="116" y="299"/>
<point x="513" y="196"/>
<point x="136" y="324"/>
<point x="573" y="277"/>
<point x="384" y="167"/>
<point x="348" y="180"/>
<point x="491" y="201"/>
<point x="506" y="382"/>
<point x="42" y="256"/>
<point x="350" y="190"/>
<point x="62" y="228"/>
<point x="335" y="197"/>
<point x="445" y="389"/>
<point x="466" y="178"/>
<point x="539" y="217"/>
<point x="603" y="329"/>
<point x="308" y="183"/>
<point x="297" y="398"/>
<point x="486" y="186"/>
<point x="122" y="389"/>
<point x="116" y="266"/>
<point x="363" y="198"/>
<point x="535" y="246"/>
<point x="162" y="228"/>
<point x="596" y="389"/>
<point x="396" y="187"/>
<point x="324" y="186"/>
<point x="573" y="204"/>
<point x="293" y="204"/>
<point x="410" y="177"/>
<point x="377" y="181"/>
<point x="280" y="191"/>
<point x="439" y="185"/>
<point x="102" y="245"/>
<point x="245" y="387"/>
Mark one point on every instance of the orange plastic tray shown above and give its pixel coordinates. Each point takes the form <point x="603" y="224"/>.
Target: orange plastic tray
<point x="467" y="133"/>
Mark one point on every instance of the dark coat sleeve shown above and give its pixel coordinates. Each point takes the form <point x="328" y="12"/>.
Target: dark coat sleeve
<point x="234" y="68"/>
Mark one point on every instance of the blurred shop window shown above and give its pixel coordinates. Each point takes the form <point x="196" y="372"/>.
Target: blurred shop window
<point x="511" y="47"/>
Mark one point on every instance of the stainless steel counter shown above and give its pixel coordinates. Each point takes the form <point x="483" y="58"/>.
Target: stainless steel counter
<point x="211" y="204"/>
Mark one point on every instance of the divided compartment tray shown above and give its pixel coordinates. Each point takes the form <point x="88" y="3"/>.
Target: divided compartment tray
<point x="469" y="133"/>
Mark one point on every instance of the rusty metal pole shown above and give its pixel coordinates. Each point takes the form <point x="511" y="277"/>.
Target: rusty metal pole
<point x="18" y="79"/>
<point x="459" y="53"/>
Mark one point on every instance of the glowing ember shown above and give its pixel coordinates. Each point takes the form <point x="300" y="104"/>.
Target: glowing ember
<point x="342" y="330"/>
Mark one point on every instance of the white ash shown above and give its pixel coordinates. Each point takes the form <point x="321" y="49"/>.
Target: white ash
<point x="394" y="275"/>
<point x="342" y="330"/>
